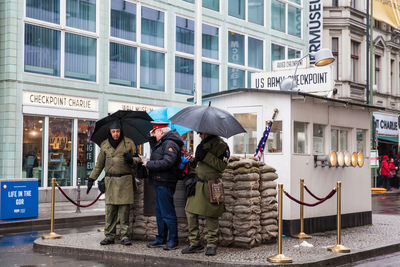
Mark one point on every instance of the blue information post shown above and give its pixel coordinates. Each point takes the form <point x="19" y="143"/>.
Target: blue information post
<point x="19" y="198"/>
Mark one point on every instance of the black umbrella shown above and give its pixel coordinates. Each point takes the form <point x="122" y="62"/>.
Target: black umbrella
<point x="135" y="125"/>
<point x="208" y="119"/>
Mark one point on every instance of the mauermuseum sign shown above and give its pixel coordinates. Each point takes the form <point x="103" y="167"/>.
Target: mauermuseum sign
<point x="309" y="80"/>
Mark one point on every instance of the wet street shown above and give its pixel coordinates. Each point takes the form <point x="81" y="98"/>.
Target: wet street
<point x="17" y="249"/>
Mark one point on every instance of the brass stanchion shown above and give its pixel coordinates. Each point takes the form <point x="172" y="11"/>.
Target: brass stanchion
<point x="52" y="235"/>
<point x="302" y="235"/>
<point x="338" y="247"/>
<point x="280" y="258"/>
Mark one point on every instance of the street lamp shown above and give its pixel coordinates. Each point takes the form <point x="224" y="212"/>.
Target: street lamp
<point x="322" y="57"/>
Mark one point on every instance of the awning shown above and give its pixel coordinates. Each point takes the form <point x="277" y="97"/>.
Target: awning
<point x="392" y="139"/>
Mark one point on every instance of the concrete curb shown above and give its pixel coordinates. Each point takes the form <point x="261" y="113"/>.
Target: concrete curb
<point x="43" y="224"/>
<point x="150" y="260"/>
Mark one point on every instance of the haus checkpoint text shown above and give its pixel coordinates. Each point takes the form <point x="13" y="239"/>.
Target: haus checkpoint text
<point x="60" y="101"/>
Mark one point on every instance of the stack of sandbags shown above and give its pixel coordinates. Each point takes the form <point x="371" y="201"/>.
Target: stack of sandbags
<point x="269" y="205"/>
<point x="246" y="209"/>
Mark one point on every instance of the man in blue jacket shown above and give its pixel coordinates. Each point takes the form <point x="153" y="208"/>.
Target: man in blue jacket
<point x="163" y="172"/>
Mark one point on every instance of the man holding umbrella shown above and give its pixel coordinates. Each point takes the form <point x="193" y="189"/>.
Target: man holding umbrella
<point x="211" y="158"/>
<point x="119" y="160"/>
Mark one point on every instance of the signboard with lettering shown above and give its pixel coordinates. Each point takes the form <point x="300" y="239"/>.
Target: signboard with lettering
<point x="374" y="159"/>
<point x="60" y="101"/>
<point x="287" y="64"/>
<point x="115" y="106"/>
<point x="19" y="198"/>
<point x="315" y="10"/>
<point x="386" y="124"/>
<point x="310" y="80"/>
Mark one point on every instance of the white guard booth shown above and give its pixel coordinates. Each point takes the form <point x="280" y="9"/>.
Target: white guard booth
<point x="306" y="126"/>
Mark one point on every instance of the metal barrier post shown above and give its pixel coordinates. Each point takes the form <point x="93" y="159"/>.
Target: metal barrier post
<point x="302" y="235"/>
<point x="338" y="247"/>
<point x="280" y="258"/>
<point x="78" y="200"/>
<point x="52" y="235"/>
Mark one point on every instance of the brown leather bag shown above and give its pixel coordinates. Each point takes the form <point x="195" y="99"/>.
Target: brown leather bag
<point x="216" y="191"/>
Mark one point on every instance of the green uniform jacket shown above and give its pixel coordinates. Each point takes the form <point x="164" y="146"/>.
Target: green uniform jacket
<point x="119" y="190"/>
<point x="211" y="167"/>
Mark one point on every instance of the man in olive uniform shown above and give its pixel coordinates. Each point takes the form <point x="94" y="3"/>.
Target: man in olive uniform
<point x="119" y="160"/>
<point x="211" y="158"/>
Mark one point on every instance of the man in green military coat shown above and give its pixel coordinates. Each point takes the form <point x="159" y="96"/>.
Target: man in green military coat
<point x="210" y="160"/>
<point x="119" y="160"/>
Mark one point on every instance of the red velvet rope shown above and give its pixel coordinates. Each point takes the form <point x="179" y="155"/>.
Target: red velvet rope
<point x="314" y="196"/>
<point x="314" y="204"/>
<point x="76" y="204"/>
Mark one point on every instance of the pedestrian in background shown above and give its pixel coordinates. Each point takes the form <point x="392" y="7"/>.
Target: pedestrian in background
<point x="393" y="177"/>
<point x="119" y="160"/>
<point x="211" y="158"/>
<point x="385" y="172"/>
<point x="163" y="172"/>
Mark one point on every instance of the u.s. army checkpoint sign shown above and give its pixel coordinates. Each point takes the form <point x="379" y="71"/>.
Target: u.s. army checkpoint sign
<point x="309" y="80"/>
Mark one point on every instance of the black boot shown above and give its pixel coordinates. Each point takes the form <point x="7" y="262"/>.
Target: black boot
<point x="106" y="241"/>
<point x="211" y="251"/>
<point x="126" y="242"/>
<point x="192" y="249"/>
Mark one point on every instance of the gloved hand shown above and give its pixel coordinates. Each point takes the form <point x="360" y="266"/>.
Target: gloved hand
<point x="102" y="186"/>
<point x="128" y="158"/>
<point x="89" y="185"/>
<point x="200" y="153"/>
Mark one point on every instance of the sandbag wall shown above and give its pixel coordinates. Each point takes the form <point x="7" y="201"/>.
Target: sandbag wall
<point x="250" y="201"/>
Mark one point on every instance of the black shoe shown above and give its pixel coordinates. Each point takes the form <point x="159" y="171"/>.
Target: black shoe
<point x="155" y="244"/>
<point x="192" y="249"/>
<point x="106" y="242"/>
<point x="126" y="242"/>
<point x="170" y="246"/>
<point x="211" y="251"/>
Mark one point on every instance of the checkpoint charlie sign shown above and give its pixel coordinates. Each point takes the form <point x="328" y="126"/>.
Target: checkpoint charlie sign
<point x="386" y="124"/>
<point x="309" y="80"/>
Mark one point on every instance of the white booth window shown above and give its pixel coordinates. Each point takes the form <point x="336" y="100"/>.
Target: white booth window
<point x="318" y="139"/>
<point x="246" y="143"/>
<point x="300" y="137"/>
<point x="339" y="141"/>
<point x="361" y="140"/>
<point x="274" y="143"/>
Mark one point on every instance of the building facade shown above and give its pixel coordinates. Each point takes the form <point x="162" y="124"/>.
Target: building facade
<point x="66" y="63"/>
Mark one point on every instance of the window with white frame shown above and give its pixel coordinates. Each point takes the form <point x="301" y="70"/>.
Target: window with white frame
<point x="355" y="53"/>
<point x="184" y="57"/>
<point x="339" y="139"/>
<point x="361" y="137"/>
<point x="274" y="142"/>
<point x="245" y="56"/>
<point x="125" y="51"/>
<point x="286" y="16"/>
<point x="300" y="138"/>
<point x="318" y="139"/>
<point x="280" y="52"/>
<point x="246" y="143"/>
<point x="335" y="53"/>
<point x="250" y="10"/>
<point x="210" y="4"/>
<point x="377" y="71"/>
<point x="46" y="34"/>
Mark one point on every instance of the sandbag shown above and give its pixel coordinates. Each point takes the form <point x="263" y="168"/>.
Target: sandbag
<point x="269" y="215"/>
<point x="246" y="194"/>
<point x="268" y="192"/>
<point x="247" y="177"/>
<point x="246" y="185"/>
<point x="269" y="176"/>
<point x="267" y="184"/>
<point x="267" y="168"/>
<point x="233" y="158"/>
<point x="248" y="201"/>
<point x="242" y="170"/>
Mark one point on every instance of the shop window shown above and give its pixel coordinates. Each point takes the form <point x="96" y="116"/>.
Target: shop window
<point x="123" y="20"/>
<point x="86" y="150"/>
<point x="210" y="80"/>
<point x="318" y="139"/>
<point x="274" y="142"/>
<point x="152" y="70"/>
<point x="246" y="143"/>
<point x="210" y="41"/>
<point x="152" y="27"/>
<point x="300" y="138"/>
<point x="184" y="35"/>
<point x="236" y="48"/>
<point x="184" y="75"/>
<point x="236" y="78"/>
<point x="60" y="151"/>
<point x="123" y="65"/>
<point x="361" y="140"/>
<point x="81" y="14"/>
<point x="42" y="50"/>
<point x="339" y="140"/>
<point x="32" y="163"/>
<point x="80" y="57"/>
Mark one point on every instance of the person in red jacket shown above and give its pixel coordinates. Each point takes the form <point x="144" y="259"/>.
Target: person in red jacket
<point x="393" y="169"/>
<point x="385" y="172"/>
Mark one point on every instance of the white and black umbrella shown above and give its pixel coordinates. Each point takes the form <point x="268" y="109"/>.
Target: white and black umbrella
<point x="208" y="119"/>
